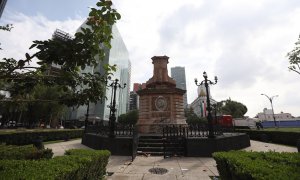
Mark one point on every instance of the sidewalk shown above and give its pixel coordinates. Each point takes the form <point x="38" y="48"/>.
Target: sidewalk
<point x="179" y="168"/>
<point x="60" y="148"/>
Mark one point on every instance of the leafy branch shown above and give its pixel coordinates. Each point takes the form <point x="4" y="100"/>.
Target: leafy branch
<point x="7" y="27"/>
<point x="294" y="58"/>
<point x="86" y="50"/>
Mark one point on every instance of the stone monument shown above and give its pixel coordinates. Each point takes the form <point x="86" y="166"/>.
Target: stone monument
<point x="160" y="103"/>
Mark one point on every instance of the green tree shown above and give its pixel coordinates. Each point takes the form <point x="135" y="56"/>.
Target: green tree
<point x="86" y="49"/>
<point x="129" y="118"/>
<point x="294" y="58"/>
<point x="192" y="118"/>
<point x="45" y="106"/>
<point x="233" y="108"/>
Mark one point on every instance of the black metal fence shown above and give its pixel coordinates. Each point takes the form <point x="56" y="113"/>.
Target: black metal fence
<point x="120" y="130"/>
<point x="174" y="140"/>
<point x="187" y="131"/>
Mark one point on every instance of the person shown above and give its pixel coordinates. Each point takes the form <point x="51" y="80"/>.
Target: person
<point x="257" y="125"/>
<point x="260" y="125"/>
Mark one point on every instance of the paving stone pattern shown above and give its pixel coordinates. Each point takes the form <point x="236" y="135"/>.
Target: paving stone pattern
<point x="179" y="168"/>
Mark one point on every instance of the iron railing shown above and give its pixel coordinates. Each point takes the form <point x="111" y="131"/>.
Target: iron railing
<point x="197" y="131"/>
<point x="120" y="130"/>
<point x="174" y="140"/>
<point x="186" y="131"/>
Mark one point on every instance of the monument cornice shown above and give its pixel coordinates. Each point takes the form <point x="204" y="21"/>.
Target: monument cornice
<point x="161" y="91"/>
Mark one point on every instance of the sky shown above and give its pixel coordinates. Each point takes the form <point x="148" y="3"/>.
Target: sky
<point x="242" y="42"/>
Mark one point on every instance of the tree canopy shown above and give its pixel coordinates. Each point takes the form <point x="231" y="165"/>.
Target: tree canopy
<point x="192" y="118"/>
<point x="233" y="108"/>
<point x="294" y="58"/>
<point x="86" y="49"/>
<point x="129" y="118"/>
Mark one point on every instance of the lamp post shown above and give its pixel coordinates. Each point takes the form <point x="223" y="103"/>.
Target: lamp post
<point x="112" y="114"/>
<point x="86" y="116"/>
<point x="271" y="101"/>
<point x="207" y="82"/>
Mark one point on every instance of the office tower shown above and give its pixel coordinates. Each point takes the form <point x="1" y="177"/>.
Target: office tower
<point x="133" y="101"/>
<point x="118" y="54"/>
<point x="54" y="69"/>
<point x="178" y="74"/>
<point x="2" y="5"/>
<point x="138" y="86"/>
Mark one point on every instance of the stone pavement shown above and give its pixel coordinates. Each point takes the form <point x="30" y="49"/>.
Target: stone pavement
<point x="180" y="168"/>
<point x="59" y="148"/>
<point x="262" y="146"/>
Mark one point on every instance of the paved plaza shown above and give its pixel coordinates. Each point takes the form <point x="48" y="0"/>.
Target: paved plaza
<point x="180" y="168"/>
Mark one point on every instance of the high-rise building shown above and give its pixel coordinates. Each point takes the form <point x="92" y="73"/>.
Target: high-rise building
<point x="2" y="5"/>
<point x="55" y="69"/>
<point x="118" y="54"/>
<point x="178" y="74"/>
<point x="134" y="97"/>
<point x="138" y="86"/>
<point x="133" y="101"/>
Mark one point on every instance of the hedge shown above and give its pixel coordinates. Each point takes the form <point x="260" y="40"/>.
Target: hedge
<point x="276" y="136"/>
<point x="24" y="152"/>
<point x="78" y="164"/>
<point x="258" y="165"/>
<point x="29" y="137"/>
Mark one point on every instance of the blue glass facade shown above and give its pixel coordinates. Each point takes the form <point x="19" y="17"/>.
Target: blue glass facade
<point x="118" y="55"/>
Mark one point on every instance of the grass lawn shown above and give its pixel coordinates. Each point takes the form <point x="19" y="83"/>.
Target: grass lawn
<point x="296" y="129"/>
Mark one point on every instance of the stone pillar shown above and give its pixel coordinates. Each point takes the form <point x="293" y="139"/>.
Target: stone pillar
<point x="161" y="103"/>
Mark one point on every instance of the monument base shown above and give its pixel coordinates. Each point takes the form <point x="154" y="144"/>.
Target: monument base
<point x="157" y="128"/>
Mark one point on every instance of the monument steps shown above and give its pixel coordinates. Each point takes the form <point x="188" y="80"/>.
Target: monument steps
<point x="154" y="145"/>
<point x="146" y="144"/>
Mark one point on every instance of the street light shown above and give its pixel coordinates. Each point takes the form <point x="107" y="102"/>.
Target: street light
<point x="271" y="101"/>
<point x="112" y="114"/>
<point x="86" y="117"/>
<point x="207" y="82"/>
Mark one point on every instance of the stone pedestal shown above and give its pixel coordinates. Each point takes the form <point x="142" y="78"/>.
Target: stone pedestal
<point x="160" y="103"/>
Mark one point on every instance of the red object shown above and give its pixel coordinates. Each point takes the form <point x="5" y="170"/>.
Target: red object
<point x="224" y="121"/>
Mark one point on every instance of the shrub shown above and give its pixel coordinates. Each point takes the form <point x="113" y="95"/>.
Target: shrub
<point x="276" y="136"/>
<point x="23" y="138"/>
<point x="24" y="152"/>
<point x="95" y="169"/>
<point x="77" y="164"/>
<point x="257" y="165"/>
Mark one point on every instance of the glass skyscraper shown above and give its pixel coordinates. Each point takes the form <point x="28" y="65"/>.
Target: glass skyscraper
<point x="118" y="54"/>
<point x="178" y="74"/>
<point x="2" y="6"/>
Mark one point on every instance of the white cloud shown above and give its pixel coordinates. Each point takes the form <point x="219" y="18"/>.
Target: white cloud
<point x="243" y="42"/>
<point x="27" y="29"/>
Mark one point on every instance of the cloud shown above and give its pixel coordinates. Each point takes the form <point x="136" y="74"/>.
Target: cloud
<point x="243" y="42"/>
<point x="29" y="28"/>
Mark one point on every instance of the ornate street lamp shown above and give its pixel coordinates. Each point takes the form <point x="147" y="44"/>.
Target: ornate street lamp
<point x="112" y="114"/>
<point x="86" y="117"/>
<point x="271" y="101"/>
<point x="207" y="82"/>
